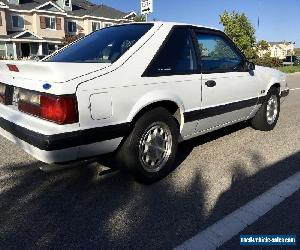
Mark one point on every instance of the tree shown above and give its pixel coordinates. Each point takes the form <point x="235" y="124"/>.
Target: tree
<point x="262" y="45"/>
<point x="139" y="18"/>
<point x="262" y="48"/>
<point x="222" y="50"/>
<point x="297" y="51"/>
<point x="241" y="31"/>
<point x="69" y="38"/>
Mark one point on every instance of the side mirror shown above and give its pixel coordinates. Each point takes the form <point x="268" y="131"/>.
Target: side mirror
<point x="249" y="66"/>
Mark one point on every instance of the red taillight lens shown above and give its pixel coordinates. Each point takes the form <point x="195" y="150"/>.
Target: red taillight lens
<point x="58" y="109"/>
<point x="2" y="93"/>
<point x="12" y="67"/>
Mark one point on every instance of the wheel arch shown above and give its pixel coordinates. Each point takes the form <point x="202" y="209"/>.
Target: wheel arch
<point x="154" y="100"/>
<point x="274" y="85"/>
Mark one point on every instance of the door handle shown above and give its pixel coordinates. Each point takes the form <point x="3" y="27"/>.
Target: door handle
<point x="210" y="83"/>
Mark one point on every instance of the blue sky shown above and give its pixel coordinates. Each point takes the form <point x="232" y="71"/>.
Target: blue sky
<point x="278" y="19"/>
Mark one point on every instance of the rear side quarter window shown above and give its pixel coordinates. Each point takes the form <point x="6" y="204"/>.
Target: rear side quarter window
<point x="176" y="56"/>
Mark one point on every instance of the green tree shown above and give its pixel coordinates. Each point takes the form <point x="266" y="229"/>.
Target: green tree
<point x="238" y="27"/>
<point x="222" y="50"/>
<point x="139" y="18"/>
<point x="262" y="48"/>
<point x="297" y="51"/>
<point x="70" y="38"/>
<point x="262" y="45"/>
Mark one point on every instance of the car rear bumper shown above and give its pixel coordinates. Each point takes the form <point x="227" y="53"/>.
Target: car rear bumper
<point x="67" y="146"/>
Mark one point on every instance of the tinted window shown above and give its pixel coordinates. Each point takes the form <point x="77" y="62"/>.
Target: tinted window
<point x="103" y="46"/>
<point x="96" y="26"/>
<point x="217" y="54"/>
<point x="177" y="56"/>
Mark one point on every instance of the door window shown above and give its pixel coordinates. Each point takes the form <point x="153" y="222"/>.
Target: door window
<point x="176" y="57"/>
<point x="217" y="54"/>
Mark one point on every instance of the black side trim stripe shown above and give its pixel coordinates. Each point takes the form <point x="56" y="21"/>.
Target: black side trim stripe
<point x="222" y="109"/>
<point x="65" y="140"/>
<point x="285" y="93"/>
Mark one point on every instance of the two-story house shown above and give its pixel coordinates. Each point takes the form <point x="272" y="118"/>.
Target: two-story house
<point x="278" y="49"/>
<point x="38" y="27"/>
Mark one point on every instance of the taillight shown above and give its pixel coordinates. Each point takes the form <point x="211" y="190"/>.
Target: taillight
<point x="58" y="109"/>
<point x="2" y="93"/>
<point x="12" y="67"/>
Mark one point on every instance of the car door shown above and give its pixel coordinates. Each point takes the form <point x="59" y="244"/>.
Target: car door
<point x="176" y="73"/>
<point x="229" y="91"/>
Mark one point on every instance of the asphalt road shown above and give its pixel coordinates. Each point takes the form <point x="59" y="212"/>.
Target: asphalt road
<point x="283" y="219"/>
<point x="90" y="207"/>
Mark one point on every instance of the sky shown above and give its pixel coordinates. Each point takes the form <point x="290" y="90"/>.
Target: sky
<point x="278" y="20"/>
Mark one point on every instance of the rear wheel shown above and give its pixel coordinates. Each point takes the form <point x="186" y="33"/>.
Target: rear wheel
<point x="267" y="116"/>
<point x="149" y="151"/>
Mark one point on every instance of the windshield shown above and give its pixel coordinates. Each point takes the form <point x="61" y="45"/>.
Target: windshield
<point x="102" y="46"/>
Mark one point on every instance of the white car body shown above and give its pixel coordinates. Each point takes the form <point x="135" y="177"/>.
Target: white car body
<point x="110" y="96"/>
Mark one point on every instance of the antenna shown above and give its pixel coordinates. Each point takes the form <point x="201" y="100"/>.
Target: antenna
<point x="258" y="19"/>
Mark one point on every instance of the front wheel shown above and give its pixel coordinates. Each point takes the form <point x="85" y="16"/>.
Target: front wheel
<point x="149" y="151"/>
<point x="267" y="116"/>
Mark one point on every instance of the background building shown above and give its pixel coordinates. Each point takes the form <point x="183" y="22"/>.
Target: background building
<point x="278" y="49"/>
<point x="38" y="27"/>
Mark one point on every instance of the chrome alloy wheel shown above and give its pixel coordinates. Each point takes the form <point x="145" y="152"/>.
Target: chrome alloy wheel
<point x="155" y="147"/>
<point x="272" y="109"/>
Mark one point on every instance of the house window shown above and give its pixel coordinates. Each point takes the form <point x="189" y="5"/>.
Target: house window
<point x="96" y="26"/>
<point x="18" y="22"/>
<point x="72" y="27"/>
<point x="50" y="22"/>
<point x="107" y="25"/>
<point x="51" y="48"/>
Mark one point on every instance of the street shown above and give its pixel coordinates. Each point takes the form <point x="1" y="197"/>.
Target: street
<point x="92" y="207"/>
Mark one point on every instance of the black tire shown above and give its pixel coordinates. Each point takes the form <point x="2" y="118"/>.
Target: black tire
<point x="129" y="155"/>
<point x="260" y="120"/>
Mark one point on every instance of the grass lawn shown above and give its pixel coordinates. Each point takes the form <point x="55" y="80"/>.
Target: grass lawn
<point x="289" y="69"/>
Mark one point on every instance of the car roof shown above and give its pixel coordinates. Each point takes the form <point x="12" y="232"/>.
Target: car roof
<point x="171" y="24"/>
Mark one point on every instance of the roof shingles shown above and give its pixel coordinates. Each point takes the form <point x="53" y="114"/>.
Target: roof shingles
<point x="79" y="8"/>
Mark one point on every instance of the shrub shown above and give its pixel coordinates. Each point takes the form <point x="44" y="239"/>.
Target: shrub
<point x="268" y="62"/>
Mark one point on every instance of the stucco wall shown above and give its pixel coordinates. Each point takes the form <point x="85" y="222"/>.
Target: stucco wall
<point x="3" y="30"/>
<point x="48" y="32"/>
<point x="80" y="24"/>
<point x="28" y="21"/>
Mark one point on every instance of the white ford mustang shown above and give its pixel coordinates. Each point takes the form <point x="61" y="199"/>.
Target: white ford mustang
<point x="136" y="89"/>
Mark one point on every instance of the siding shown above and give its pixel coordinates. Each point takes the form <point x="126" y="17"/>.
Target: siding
<point x="3" y="30"/>
<point x="48" y="33"/>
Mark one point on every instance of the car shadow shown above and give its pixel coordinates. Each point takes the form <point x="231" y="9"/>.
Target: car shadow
<point x="88" y="208"/>
<point x="185" y="147"/>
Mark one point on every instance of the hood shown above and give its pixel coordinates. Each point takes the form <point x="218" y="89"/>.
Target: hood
<point x="270" y="71"/>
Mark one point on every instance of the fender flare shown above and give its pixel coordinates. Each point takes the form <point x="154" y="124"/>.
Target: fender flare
<point x="155" y="97"/>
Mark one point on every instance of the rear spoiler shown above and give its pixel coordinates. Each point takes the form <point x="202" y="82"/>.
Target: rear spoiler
<point x="55" y="72"/>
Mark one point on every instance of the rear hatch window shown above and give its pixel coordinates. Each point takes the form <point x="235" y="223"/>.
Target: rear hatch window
<point x="102" y="46"/>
